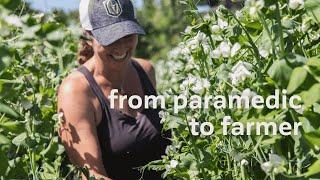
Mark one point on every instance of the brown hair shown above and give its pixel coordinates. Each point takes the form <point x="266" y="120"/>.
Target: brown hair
<point x="85" y="51"/>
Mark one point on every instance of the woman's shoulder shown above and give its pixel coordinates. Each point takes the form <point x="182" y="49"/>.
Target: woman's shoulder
<point x="148" y="68"/>
<point x="146" y="64"/>
<point x="75" y="83"/>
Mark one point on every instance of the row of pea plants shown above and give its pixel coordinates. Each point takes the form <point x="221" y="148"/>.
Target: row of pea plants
<point x="36" y="52"/>
<point x="264" y="46"/>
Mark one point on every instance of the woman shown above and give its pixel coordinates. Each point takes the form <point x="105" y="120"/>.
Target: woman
<point x="110" y="142"/>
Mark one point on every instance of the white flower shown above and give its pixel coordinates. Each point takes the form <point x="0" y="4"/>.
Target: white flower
<point x="274" y="162"/>
<point x="294" y="4"/>
<point x="305" y="26"/>
<point x="240" y="72"/>
<point x="287" y="22"/>
<point x="225" y="49"/>
<point x="263" y="53"/>
<point x="187" y="82"/>
<point x="273" y="7"/>
<point x="184" y="51"/>
<point x="206" y="48"/>
<point x="180" y="51"/>
<point x="247" y="94"/>
<point x="275" y="159"/>
<point x="253" y="10"/>
<point x="174" y="53"/>
<point x="215" y="28"/>
<point x="222" y="24"/>
<point x="238" y="14"/>
<point x="216" y="37"/>
<point x="207" y="17"/>
<point x="163" y="115"/>
<point x="235" y="48"/>
<point x="197" y="85"/>
<point x="314" y="36"/>
<point x="194" y="43"/>
<point x="300" y="110"/>
<point x="227" y="119"/>
<point x="215" y="54"/>
<point x="260" y="4"/>
<point x="60" y="117"/>
<point x="188" y="29"/>
<point x="205" y="83"/>
<point x="13" y="20"/>
<point x="290" y="31"/>
<point x="39" y="16"/>
<point x="255" y="6"/>
<point x="244" y="162"/>
<point x="201" y="37"/>
<point x="174" y="163"/>
<point x="266" y="167"/>
<point x="200" y="85"/>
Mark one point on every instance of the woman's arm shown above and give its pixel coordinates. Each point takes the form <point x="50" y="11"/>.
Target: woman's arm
<point x="78" y="128"/>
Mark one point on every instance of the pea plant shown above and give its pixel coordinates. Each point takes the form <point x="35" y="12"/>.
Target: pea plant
<point x="35" y="53"/>
<point x="264" y="46"/>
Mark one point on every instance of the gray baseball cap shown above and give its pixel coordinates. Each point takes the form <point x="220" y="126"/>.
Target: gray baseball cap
<point x="109" y="20"/>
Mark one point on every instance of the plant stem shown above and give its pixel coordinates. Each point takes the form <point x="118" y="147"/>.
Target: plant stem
<point x="254" y="47"/>
<point x="280" y="31"/>
<point x="264" y="23"/>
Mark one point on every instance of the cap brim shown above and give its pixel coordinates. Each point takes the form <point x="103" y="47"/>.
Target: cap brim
<point x="109" y="34"/>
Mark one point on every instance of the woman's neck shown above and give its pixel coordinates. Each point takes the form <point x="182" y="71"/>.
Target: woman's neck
<point x="113" y="72"/>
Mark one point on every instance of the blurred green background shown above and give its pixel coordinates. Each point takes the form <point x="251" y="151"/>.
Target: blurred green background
<point x="163" y="20"/>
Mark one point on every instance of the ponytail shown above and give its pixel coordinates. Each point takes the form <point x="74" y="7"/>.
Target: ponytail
<point x="85" y="51"/>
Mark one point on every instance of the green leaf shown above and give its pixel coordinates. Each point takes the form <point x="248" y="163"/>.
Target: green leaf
<point x="306" y="125"/>
<point x="313" y="7"/>
<point x="280" y="72"/>
<point x="19" y="140"/>
<point x="254" y="25"/>
<point x="4" y="162"/>
<point x="4" y="140"/>
<point x="297" y="78"/>
<point x="13" y="126"/>
<point x="8" y="111"/>
<point x="313" y="137"/>
<point x="314" y="61"/>
<point x="49" y="27"/>
<point x="296" y="59"/>
<point x="10" y="4"/>
<point x="311" y="96"/>
<point x="55" y="36"/>
<point x="313" y="169"/>
<point x="270" y="140"/>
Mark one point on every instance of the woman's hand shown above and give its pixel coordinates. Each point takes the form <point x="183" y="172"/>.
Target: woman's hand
<point x="78" y="127"/>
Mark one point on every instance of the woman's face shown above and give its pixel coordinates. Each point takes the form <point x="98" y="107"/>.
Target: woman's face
<point x="118" y="52"/>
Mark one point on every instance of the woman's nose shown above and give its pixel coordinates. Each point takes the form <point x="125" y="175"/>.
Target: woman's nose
<point x="122" y="44"/>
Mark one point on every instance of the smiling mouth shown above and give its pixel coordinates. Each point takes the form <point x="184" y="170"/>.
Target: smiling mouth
<point x="119" y="58"/>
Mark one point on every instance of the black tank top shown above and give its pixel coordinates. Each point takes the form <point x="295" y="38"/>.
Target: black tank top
<point x="127" y="142"/>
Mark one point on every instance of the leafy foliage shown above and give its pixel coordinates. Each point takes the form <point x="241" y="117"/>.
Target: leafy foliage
<point x="35" y="53"/>
<point x="163" y="21"/>
<point x="267" y="45"/>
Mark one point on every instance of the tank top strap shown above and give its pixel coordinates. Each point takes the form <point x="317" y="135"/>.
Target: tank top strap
<point x="95" y="88"/>
<point x="146" y="84"/>
<point x="103" y="131"/>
